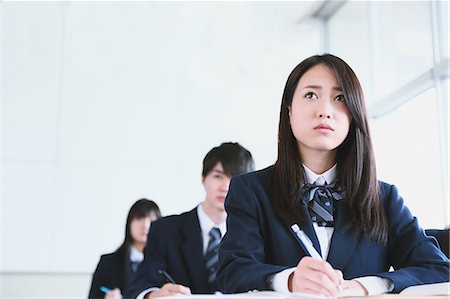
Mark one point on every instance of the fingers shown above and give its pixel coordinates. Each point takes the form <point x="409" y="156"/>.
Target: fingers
<point x="113" y="294"/>
<point x="340" y="276"/>
<point x="316" y="277"/>
<point x="170" y="289"/>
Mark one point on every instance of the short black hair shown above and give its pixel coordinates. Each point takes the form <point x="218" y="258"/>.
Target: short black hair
<point x="235" y="159"/>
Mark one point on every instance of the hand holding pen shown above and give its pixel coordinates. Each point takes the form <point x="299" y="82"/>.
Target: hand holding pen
<point x="170" y="288"/>
<point x="111" y="294"/>
<point x="314" y="275"/>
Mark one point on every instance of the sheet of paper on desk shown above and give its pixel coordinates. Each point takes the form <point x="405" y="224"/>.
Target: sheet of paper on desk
<point x="428" y="289"/>
<point x="255" y="294"/>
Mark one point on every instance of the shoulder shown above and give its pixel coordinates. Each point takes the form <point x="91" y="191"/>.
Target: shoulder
<point x="250" y="190"/>
<point x="255" y="178"/>
<point x="394" y="206"/>
<point x="389" y="193"/>
<point x="386" y="188"/>
<point x="175" y="222"/>
<point x="108" y="261"/>
<point x="109" y="257"/>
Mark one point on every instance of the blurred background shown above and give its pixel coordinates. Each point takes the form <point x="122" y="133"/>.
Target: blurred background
<point x="103" y="103"/>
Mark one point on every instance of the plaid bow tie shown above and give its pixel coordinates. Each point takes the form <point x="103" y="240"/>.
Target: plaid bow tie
<point x="320" y="201"/>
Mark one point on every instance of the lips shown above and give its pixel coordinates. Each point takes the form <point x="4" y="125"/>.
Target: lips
<point x="323" y="127"/>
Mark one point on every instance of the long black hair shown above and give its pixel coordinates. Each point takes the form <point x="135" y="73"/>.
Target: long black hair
<point x="140" y="209"/>
<point x="356" y="171"/>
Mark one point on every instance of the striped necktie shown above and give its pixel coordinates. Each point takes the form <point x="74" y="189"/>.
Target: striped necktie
<point x="319" y="197"/>
<point x="212" y="257"/>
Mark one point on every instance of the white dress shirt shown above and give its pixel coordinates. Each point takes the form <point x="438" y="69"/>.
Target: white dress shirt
<point x="373" y="284"/>
<point x="206" y="224"/>
<point x="136" y="255"/>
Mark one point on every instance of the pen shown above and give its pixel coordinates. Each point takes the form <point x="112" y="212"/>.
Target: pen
<point x="306" y="242"/>
<point x="307" y="245"/>
<point x="166" y="276"/>
<point x="104" y="289"/>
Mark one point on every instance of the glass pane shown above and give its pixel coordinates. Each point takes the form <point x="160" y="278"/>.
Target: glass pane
<point x="402" y="43"/>
<point x="349" y="39"/>
<point x="406" y="145"/>
<point x="443" y="12"/>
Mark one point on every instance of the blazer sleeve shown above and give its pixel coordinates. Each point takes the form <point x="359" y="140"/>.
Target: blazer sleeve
<point x="242" y="250"/>
<point x="100" y="278"/>
<point x="416" y="259"/>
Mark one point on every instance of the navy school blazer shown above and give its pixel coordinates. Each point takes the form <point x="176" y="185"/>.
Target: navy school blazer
<point x="258" y="244"/>
<point x="113" y="271"/>
<point x="175" y="244"/>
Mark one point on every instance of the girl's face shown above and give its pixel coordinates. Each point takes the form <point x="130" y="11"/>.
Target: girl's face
<point x="139" y="228"/>
<point x="318" y="115"/>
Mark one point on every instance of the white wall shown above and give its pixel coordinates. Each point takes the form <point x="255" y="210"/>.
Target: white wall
<point x="104" y="103"/>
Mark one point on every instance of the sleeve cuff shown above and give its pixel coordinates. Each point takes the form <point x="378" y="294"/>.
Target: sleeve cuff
<point x="145" y="292"/>
<point x="376" y="285"/>
<point x="280" y="281"/>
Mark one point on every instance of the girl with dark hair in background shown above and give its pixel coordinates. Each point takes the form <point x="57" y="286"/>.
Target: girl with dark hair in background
<point x="115" y="270"/>
<point x="323" y="186"/>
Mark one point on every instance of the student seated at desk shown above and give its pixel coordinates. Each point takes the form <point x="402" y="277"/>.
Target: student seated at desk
<point x="323" y="186"/>
<point x="115" y="270"/>
<point x="185" y="246"/>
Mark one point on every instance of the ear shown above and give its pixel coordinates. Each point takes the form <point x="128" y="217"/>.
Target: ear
<point x="289" y="111"/>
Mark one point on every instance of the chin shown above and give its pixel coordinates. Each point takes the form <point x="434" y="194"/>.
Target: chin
<point x="326" y="146"/>
<point x="221" y="207"/>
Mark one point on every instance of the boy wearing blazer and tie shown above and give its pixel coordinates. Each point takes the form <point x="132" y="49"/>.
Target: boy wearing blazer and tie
<point x="181" y="255"/>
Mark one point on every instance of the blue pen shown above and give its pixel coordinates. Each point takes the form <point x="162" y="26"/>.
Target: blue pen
<point x="104" y="289"/>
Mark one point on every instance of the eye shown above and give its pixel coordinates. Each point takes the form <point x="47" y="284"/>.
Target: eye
<point x="310" y="95"/>
<point x="340" y="98"/>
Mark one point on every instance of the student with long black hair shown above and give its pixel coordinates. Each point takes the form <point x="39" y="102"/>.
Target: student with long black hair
<point x="115" y="270"/>
<point x="323" y="186"/>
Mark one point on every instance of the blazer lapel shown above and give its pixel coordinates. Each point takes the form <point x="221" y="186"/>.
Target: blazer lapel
<point x="343" y="241"/>
<point x="192" y="249"/>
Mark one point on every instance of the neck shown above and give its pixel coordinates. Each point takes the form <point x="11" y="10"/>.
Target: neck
<point x="218" y="216"/>
<point x="319" y="162"/>
<point x="139" y="246"/>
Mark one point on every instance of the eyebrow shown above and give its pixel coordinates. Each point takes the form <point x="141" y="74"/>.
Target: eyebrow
<point x="218" y="171"/>
<point x="320" y="87"/>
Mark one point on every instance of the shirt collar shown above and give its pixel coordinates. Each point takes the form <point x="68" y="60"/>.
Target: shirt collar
<point x="206" y="224"/>
<point x="329" y="175"/>
<point x="136" y="255"/>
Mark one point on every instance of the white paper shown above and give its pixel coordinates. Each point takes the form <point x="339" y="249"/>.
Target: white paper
<point x="428" y="289"/>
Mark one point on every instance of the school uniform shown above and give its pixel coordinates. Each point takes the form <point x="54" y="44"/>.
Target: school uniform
<point x="176" y="244"/>
<point x="259" y="245"/>
<point x="114" y="270"/>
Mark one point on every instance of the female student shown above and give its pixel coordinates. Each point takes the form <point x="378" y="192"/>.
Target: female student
<point x="323" y="186"/>
<point x="115" y="270"/>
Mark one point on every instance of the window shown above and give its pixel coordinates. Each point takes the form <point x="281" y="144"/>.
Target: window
<point x="400" y="52"/>
<point x="407" y="155"/>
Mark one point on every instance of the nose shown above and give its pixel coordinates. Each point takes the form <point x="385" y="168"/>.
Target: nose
<point x="146" y="223"/>
<point x="226" y="184"/>
<point x="324" y="109"/>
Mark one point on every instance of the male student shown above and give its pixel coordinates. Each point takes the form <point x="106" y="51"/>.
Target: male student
<point x="181" y="253"/>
